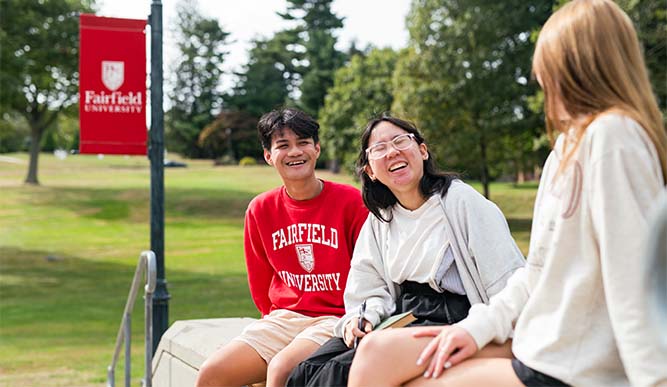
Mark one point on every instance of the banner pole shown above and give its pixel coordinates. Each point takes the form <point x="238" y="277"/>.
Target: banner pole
<point x="156" y="155"/>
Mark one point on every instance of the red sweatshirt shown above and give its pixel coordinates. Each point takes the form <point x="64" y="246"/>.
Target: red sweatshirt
<point x="298" y="252"/>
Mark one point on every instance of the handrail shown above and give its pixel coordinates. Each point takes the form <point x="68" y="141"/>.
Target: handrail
<point x="147" y="261"/>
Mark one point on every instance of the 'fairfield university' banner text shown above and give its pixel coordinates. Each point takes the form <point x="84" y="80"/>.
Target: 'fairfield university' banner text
<point x="112" y="85"/>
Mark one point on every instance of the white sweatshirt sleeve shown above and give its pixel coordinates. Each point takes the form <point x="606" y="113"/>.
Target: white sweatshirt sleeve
<point x="624" y="185"/>
<point x="495" y="320"/>
<point x="489" y="241"/>
<point x="366" y="280"/>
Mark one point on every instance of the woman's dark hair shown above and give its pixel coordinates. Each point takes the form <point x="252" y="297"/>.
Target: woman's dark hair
<point x="378" y="196"/>
<point x="303" y="125"/>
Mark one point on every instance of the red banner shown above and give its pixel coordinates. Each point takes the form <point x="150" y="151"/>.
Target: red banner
<point x="112" y="85"/>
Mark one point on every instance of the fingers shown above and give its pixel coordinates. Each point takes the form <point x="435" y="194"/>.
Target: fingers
<point x="451" y="347"/>
<point x="430" y="349"/>
<point x="352" y="331"/>
<point x="356" y="332"/>
<point x="441" y="360"/>
<point x="460" y="355"/>
<point x="348" y="335"/>
<point x="427" y="332"/>
<point x="368" y="327"/>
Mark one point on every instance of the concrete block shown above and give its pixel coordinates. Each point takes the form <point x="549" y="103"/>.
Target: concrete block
<point x="185" y="346"/>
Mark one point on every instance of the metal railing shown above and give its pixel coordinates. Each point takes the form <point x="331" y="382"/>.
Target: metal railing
<point x="146" y="263"/>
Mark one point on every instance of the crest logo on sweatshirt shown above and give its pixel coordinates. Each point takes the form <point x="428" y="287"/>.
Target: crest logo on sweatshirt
<point x="306" y="257"/>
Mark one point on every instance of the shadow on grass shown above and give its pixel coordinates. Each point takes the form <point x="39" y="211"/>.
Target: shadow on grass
<point x="519" y="224"/>
<point x="529" y="186"/>
<point x="45" y="296"/>
<point x="126" y="203"/>
<point x="59" y="316"/>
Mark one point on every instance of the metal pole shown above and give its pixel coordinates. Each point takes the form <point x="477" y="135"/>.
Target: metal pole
<point x="148" y="373"/>
<point x="156" y="154"/>
<point x="128" y="349"/>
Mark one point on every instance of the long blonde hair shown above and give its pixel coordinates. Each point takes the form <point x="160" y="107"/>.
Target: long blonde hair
<point x="588" y="57"/>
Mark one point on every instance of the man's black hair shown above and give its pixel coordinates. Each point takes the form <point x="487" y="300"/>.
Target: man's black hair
<point x="275" y="121"/>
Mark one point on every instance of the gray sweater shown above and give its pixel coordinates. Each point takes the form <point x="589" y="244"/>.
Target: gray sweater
<point x="484" y="252"/>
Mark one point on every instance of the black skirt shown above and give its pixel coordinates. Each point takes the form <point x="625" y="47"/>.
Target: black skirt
<point x="330" y="364"/>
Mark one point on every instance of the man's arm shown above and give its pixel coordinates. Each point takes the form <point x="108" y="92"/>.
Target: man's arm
<point x="260" y="271"/>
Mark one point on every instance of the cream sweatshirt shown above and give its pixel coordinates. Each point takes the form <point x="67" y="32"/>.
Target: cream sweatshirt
<point x="578" y="307"/>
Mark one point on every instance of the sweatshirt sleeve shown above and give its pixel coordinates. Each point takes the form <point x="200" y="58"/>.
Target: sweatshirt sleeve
<point x="624" y="185"/>
<point x="366" y="281"/>
<point x="495" y="321"/>
<point x="489" y="241"/>
<point x="260" y="272"/>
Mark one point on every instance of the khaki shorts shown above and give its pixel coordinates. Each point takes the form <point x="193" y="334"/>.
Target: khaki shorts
<point x="276" y="330"/>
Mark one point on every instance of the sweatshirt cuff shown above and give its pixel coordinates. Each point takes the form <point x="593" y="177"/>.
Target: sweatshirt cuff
<point x="479" y="327"/>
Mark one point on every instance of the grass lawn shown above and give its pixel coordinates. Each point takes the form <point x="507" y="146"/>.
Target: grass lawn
<point x="69" y="248"/>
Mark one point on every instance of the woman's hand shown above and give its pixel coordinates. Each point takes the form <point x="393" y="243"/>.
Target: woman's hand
<point x="450" y="346"/>
<point x="352" y="331"/>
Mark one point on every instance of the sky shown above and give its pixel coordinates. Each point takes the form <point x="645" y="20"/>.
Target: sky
<point x="378" y="22"/>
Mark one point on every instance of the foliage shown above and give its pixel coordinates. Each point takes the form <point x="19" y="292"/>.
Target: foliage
<point x="464" y="79"/>
<point x="362" y="90"/>
<point x="262" y="85"/>
<point x="64" y="132"/>
<point x="233" y="134"/>
<point x="247" y="161"/>
<point x="39" y="48"/>
<point x="14" y="132"/>
<point x="196" y="96"/>
<point x="313" y="39"/>
<point x="650" y="19"/>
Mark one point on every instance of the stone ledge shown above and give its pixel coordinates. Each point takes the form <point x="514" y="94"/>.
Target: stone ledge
<point x="187" y="343"/>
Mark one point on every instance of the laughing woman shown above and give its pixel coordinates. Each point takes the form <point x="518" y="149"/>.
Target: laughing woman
<point x="578" y="308"/>
<point x="431" y="245"/>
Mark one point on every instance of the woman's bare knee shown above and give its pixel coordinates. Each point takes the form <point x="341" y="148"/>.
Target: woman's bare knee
<point x="278" y="370"/>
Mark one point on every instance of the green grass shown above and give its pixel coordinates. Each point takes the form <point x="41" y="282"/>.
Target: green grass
<point x="69" y="248"/>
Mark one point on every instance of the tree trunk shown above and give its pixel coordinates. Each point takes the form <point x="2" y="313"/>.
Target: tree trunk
<point x="520" y="173"/>
<point x="35" y="146"/>
<point x="334" y="165"/>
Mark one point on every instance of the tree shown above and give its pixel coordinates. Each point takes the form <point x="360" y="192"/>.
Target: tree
<point x="196" y="96"/>
<point x="464" y="78"/>
<point x="650" y="20"/>
<point x="362" y="90"/>
<point x="313" y="39"/>
<point x="39" y="59"/>
<point x="262" y="86"/>
<point x="233" y="135"/>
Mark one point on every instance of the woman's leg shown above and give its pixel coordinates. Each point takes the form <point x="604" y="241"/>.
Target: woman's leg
<point x="497" y="372"/>
<point x="235" y="364"/>
<point x="284" y="362"/>
<point x="389" y="357"/>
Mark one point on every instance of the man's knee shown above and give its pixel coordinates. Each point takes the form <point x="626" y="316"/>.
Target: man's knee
<point x="206" y="375"/>
<point x="212" y="373"/>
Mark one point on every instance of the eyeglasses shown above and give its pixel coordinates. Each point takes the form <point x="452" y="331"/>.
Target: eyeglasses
<point x="379" y="150"/>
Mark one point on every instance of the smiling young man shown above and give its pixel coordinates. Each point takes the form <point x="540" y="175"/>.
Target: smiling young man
<point x="298" y="244"/>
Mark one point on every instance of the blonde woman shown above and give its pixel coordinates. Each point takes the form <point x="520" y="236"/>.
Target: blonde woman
<point x="578" y="310"/>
